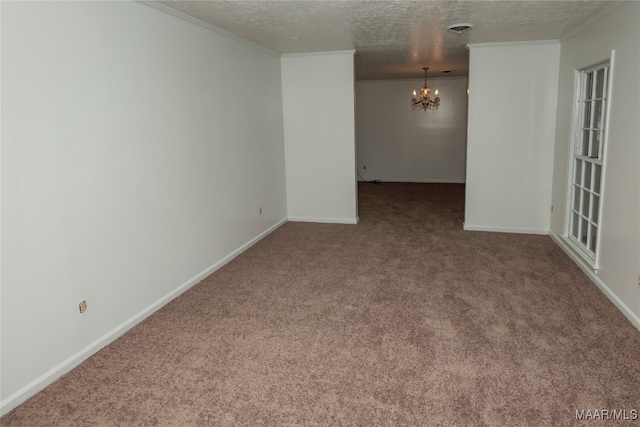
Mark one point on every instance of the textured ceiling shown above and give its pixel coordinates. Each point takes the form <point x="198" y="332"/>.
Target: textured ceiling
<point x="393" y="39"/>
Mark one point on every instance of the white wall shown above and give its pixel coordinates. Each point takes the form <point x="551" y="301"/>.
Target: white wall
<point x="511" y="129"/>
<point x="620" y="223"/>
<point x="397" y="144"/>
<point x="319" y="131"/>
<point x="137" y="149"/>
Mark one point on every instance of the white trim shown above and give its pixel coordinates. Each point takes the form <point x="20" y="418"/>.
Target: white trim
<point x="498" y="229"/>
<point x="594" y="260"/>
<point x="605" y="155"/>
<point x="571" y="148"/>
<point x="591" y="274"/>
<point x="586" y="256"/>
<point x="327" y="53"/>
<point x="162" y="8"/>
<point x="507" y="44"/>
<point x="325" y="220"/>
<point x="420" y="79"/>
<point x="67" y="365"/>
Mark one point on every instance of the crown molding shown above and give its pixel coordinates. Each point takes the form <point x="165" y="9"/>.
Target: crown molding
<point x="507" y="44"/>
<point x="328" y="53"/>
<point x="589" y="21"/>
<point x="202" y="24"/>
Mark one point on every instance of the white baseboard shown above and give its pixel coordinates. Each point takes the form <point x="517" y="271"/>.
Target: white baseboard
<point x="629" y="314"/>
<point x="324" y="220"/>
<point x="67" y="365"/>
<point x="497" y="229"/>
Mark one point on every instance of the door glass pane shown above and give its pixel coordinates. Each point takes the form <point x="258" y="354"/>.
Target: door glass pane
<point x="599" y="82"/>
<point x="587" y="175"/>
<point x="584" y="144"/>
<point x="576" y="197"/>
<point x="574" y="224"/>
<point x="584" y="210"/>
<point x="595" y="208"/>
<point x="586" y="117"/>
<point x="597" y="114"/>
<point x="583" y="230"/>
<point x="603" y="114"/>
<point x="588" y="85"/>
<point x="592" y="237"/>
<point x="578" y="175"/>
<point x="594" y="151"/>
<point x="596" y="178"/>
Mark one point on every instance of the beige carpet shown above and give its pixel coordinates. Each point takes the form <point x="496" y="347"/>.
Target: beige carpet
<point x="402" y="320"/>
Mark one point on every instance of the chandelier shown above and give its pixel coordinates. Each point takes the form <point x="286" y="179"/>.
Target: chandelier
<point x="425" y="102"/>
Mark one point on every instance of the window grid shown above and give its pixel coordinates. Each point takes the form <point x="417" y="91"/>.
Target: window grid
<point x="588" y="159"/>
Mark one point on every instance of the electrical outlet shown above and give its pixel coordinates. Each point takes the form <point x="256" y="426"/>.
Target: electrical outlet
<point x="551" y="208"/>
<point x="260" y="210"/>
<point x="82" y="306"/>
<point x="364" y="167"/>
